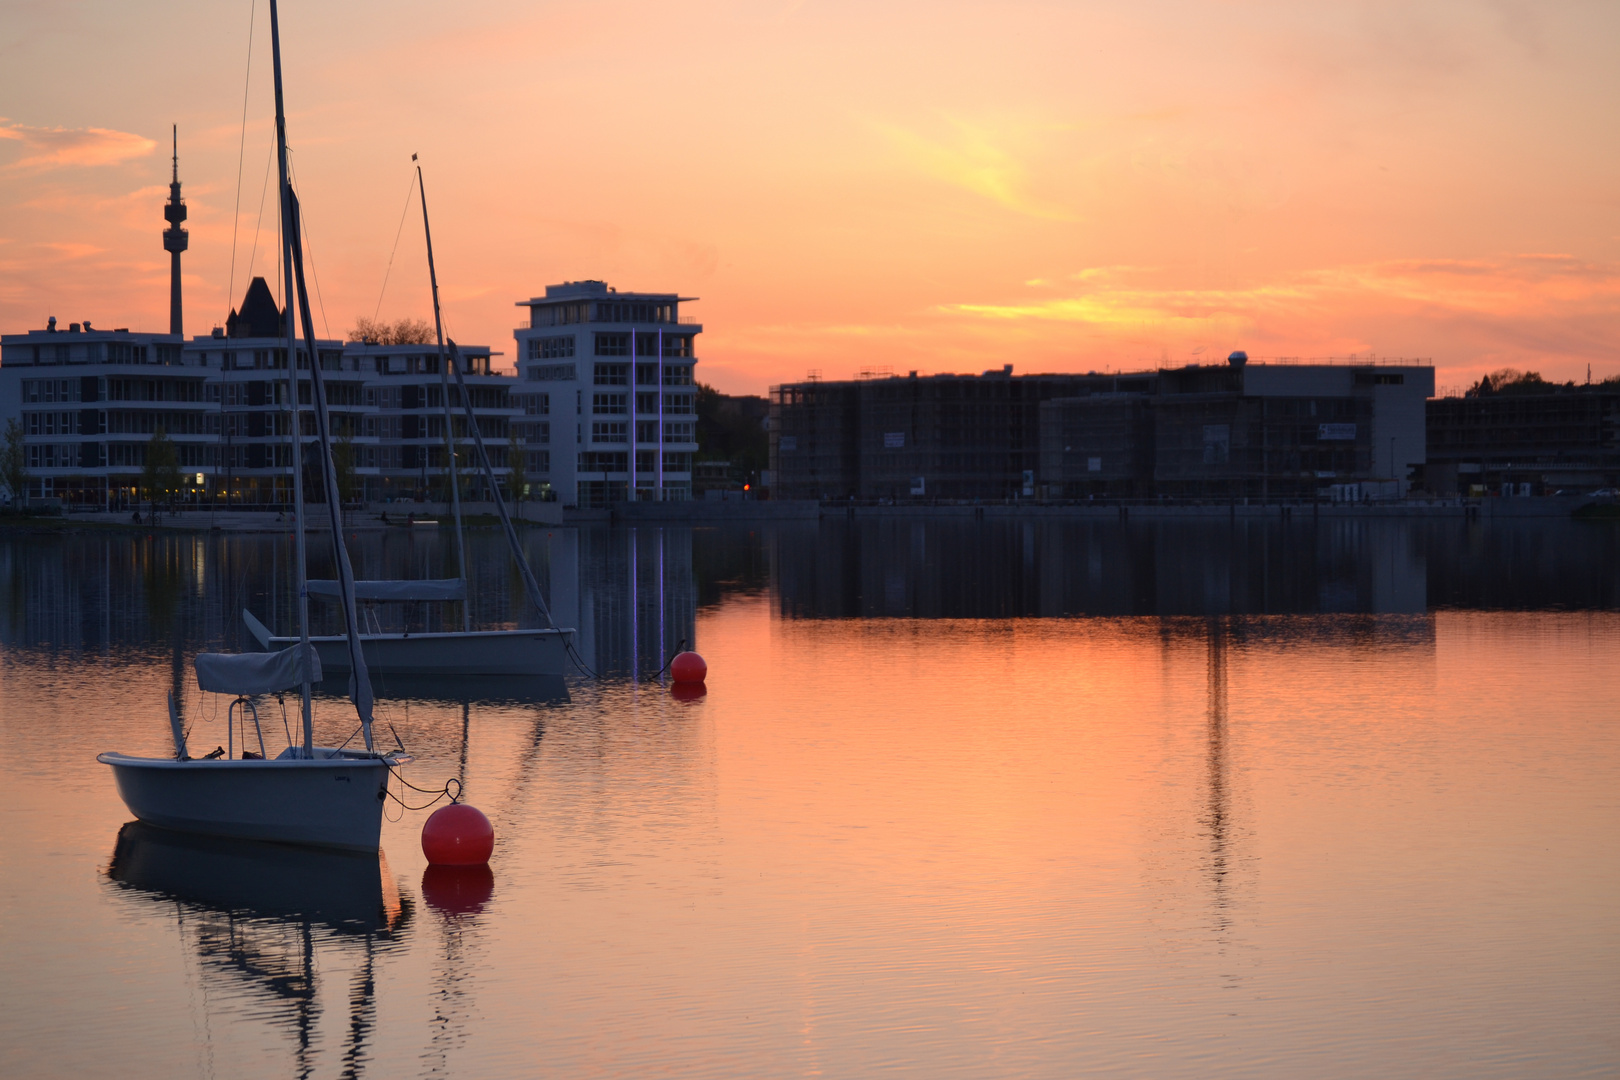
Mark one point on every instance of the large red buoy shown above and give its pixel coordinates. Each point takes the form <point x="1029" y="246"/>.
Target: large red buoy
<point x="688" y="667"/>
<point x="457" y="835"/>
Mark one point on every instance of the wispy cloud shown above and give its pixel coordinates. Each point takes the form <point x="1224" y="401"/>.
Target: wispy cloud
<point x="44" y="149"/>
<point x="1528" y="284"/>
<point x="977" y="157"/>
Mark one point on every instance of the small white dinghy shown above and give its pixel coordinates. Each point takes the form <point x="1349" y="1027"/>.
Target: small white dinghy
<point x="331" y="798"/>
<point x="323" y="796"/>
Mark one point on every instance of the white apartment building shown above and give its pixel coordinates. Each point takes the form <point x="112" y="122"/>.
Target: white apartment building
<point x="403" y="429"/>
<point x="607" y="393"/>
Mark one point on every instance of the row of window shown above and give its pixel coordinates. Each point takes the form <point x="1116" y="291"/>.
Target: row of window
<point x="610" y="311"/>
<point x="643" y="344"/>
<point x="551" y="348"/>
<point x="618" y="461"/>
<point x="646" y="375"/>
<point x="93" y="352"/>
<point x="618" y="431"/>
<point x="610" y="404"/>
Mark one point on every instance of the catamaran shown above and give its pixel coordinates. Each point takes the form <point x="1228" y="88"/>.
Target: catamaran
<point x="537" y="651"/>
<point x="318" y="795"/>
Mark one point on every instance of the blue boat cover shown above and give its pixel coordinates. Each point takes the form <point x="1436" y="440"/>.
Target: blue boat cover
<point x="256" y="673"/>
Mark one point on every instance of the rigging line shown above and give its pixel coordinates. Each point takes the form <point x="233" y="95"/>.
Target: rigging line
<point x="397" y="232"/>
<point x="241" y="151"/>
<point x="309" y="248"/>
<point x="259" y="224"/>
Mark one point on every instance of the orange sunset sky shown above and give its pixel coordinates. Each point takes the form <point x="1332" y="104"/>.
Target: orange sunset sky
<point x="935" y="186"/>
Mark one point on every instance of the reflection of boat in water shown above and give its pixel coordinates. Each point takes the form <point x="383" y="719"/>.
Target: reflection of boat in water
<point x="263" y="921"/>
<point x="351" y="892"/>
<point x="466" y="689"/>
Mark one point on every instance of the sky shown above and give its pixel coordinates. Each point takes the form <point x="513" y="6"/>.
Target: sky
<point x="847" y="187"/>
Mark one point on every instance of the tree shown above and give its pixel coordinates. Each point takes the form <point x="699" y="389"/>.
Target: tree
<point x="383" y="332"/>
<point x="160" y="478"/>
<point x="14" y="463"/>
<point x="517" y="478"/>
<point x="1511" y="381"/>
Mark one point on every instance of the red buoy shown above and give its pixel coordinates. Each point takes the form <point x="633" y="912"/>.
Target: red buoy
<point x="457" y="835"/>
<point x="688" y="667"/>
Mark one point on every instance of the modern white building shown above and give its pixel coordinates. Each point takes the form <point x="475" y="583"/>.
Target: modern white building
<point x="607" y="393"/>
<point x="89" y="402"/>
<point x="403" y="429"/>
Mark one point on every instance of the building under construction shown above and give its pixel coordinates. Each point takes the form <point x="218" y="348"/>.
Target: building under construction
<point x="1234" y="430"/>
<point x="1517" y="443"/>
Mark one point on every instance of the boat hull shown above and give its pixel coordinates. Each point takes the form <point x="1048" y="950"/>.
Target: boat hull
<point x="331" y="802"/>
<point x="476" y="652"/>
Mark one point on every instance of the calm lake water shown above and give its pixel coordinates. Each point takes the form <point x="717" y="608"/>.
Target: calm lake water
<point x="960" y="801"/>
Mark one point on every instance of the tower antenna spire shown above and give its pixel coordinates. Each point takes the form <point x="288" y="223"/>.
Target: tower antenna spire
<point x="175" y="238"/>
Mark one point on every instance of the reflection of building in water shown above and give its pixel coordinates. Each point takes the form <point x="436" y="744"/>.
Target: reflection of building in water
<point x="998" y="569"/>
<point x="258" y="916"/>
<point x="629" y="592"/>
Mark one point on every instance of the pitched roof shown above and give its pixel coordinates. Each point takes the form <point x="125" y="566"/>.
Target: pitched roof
<point x="259" y="315"/>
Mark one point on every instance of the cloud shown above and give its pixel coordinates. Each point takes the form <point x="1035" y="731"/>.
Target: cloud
<point x="976" y="158"/>
<point x="1527" y="285"/>
<point x="59" y="148"/>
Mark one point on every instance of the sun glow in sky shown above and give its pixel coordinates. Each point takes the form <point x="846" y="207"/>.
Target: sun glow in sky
<point x="935" y="186"/>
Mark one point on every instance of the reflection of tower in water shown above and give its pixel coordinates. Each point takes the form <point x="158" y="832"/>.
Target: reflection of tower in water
<point x="1216" y="820"/>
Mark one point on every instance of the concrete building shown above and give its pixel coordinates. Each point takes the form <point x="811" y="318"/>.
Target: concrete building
<point x="245" y="366"/>
<point x="938" y="437"/>
<point x="1234" y="430"/>
<point x="607" y="394"/>
<point x="89" y="400"/>
<point x="1525" y="443"/>
<point x="403" y="452"/>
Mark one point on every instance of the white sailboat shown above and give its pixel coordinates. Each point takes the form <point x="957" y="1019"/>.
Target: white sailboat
<point x="308" y="794"/>
<point x="542" y="651"/>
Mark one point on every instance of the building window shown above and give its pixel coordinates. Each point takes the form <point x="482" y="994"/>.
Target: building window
<point x="610" y="431"/>
<point x="604" y="461"/>
<point x="612" y="374"/>
<point x="612" y="344"/>
<point x="552" y="373"/>
<point x="679" y="404"/>
<point x="551" y="348"/>
<point x="609" y="404"/>
<point x="537" y="404"/>
<point x="679" y="461"/>
<point x="678" y="432"/>
<point x="558" y="314"/>
<point x="540" y="461"/>
<point x="646" y="431"/>
<point x="677" y="374"/>
<point x="677" y="344"/>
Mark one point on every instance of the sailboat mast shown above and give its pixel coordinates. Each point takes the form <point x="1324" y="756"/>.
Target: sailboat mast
<point x="300" y="562"/>
<point x="449" y="424"/>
